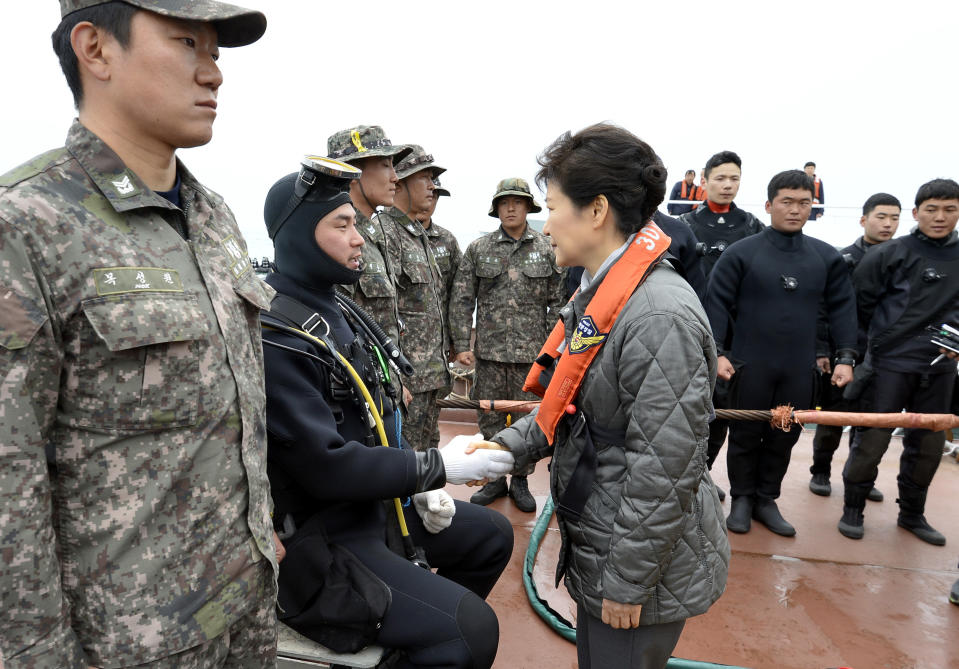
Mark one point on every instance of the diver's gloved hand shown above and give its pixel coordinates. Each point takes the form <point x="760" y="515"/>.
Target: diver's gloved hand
<point x="481" y="464"/>
<point x="436" y="508"/>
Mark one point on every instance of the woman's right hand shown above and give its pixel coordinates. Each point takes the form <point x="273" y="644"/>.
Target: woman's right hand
<point x="467" y="459"/>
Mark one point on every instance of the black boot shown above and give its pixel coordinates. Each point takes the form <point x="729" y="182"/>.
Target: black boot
<point x="875" y="495"/>
<point x="819" y="485"/>
<point x="912" y="504"/>
<point x="519" y="492"/>
<point x="740" y="514"/>
<point x="954" y="593"/>
<point x="489" y="492"/>
<point x="767" y="513"/>
<point x="851" y="523"/>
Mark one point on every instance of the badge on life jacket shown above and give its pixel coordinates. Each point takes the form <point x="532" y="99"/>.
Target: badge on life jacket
<point x="586" y="336"/>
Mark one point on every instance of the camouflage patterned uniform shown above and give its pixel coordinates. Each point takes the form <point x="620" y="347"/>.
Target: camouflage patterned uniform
<point x="376" y="289"/>
<point x="425" y="342"/>
<point x="447" y="252"/>
<point x="132" y="368"/>
<point x="511" y="283"/>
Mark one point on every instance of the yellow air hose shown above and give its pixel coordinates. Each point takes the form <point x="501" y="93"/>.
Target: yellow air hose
<point x="370" y="403"/>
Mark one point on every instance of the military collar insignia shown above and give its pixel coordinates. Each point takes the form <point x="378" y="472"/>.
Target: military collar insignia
<point x="124" y="187"/>
<point x="586" y="336"/>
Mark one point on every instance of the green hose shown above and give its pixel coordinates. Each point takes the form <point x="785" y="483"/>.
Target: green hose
<point x="562" y="626"/>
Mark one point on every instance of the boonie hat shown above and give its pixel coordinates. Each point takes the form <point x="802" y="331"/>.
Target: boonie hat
<point x="514" y="186"/>
<point x="438" y="189"/>
<point x="417" y="161"/>
<point x="235" y="26"/>
<point x="364" y="141"/>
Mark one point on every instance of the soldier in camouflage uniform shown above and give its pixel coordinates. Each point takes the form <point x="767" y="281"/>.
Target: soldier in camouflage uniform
<point x="511" y="278"/>
<point x="135" y="523"/>
<point x="369" y="149"/>
<point x="445" y="248"/>
<point x="420" y="298"/>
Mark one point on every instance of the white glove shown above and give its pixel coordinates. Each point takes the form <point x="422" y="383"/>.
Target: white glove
<point x="436" y="508"/>
<point x="479" y="465"/>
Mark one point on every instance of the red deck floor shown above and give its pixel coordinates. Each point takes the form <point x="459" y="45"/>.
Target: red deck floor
<point x="814" y="601"/>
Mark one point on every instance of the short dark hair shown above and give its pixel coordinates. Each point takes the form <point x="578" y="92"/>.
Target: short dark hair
<point x="809" y="163"/>
<point x="878" y="200"/>
<point x="937" y="189"/>
<point x="605" y="159"/>
<point x="693" y="172"/>
<point x="789" y="179"/>
<point x="112" y="17"/>
<point x="721" y="158"/>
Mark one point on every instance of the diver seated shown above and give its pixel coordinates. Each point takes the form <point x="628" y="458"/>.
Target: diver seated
<point x="354" y="567"/>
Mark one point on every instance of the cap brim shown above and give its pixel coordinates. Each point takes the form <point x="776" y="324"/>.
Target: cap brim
<point x="534" y="207"/>
<point x="235" y="26"/>
<point x="437" y="170"/>
<point x="397" y="153"/>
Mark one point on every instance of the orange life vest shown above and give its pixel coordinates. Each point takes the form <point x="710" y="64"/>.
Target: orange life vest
<point x="696" y="194"/>
<point x="647" y="248"/>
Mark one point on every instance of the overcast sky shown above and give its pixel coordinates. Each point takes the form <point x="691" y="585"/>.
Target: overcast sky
<point x="867" y="90"/>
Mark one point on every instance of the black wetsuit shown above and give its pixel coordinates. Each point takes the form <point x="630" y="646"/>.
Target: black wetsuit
<point x="827" y="437"/>
<point x="327" y="475"/>
<point x="767" y="289"/>
<point x="716" y="231"/>
<point x="901" y="287"/>
<point x="682" y="248"/>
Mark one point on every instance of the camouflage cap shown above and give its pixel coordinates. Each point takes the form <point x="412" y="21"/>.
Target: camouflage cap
<point x="364" y="141"/>
<point x="438" y="189"/>
<point x="514" y="186"/>
<point x="235" y="26"/>
<point x="417" y="161"/>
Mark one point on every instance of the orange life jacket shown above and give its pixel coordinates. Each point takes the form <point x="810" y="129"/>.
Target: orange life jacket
<point x="696" y="194"/>
<point x="647" y="248"/>
<point x="815" y="184"/>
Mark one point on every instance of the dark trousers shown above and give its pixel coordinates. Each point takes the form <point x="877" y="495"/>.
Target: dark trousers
<point x="599" y="646"/>
<point x="828" y="437"/>
<point x="441" y="620"/>
<point x="758" y="454"/>
<point x="891" y="392"/>
<point x="719" y="427"/>
<point x="500" y="381"/>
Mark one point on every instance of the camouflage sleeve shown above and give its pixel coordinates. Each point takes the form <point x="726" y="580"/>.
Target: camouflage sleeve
<point x="462" y="302"/>
<point x="456" y="256"/>
<point x="35" y="627"/>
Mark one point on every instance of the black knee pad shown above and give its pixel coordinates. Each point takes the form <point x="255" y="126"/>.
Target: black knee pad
<point x="479" y="628"/>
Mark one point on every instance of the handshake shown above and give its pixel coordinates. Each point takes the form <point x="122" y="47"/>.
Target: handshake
<point x="469" y="459"/>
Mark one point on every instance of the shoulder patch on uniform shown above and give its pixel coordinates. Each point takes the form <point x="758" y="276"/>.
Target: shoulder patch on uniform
<point x="239" y="261"/>
<point x="33" y="167"/>
<point x="20" y="319"/>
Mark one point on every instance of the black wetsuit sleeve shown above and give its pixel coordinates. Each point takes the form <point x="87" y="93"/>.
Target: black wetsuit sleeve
<point x="305" y="442"/>
<point x="869" y="283"/>
<point x="722" y="293"/>
<point x="840" y="302"/>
